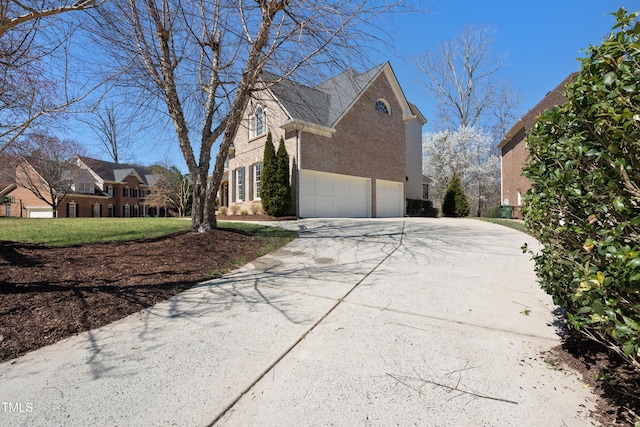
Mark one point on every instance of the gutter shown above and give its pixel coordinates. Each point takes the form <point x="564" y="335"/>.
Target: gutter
<point x="512" y="132"/>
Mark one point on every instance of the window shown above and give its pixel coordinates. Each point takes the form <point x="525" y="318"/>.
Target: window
<point x="71" y="207"/>
<point x="382" y="106"/>
<point x="136" y="211"/>
<point x="240" y="183"/>
<point x="125" y="192"/>
<point x="110" y="191"/>
<point x="257" y="125"/>
<point x="8" y="210"/>
<point x="84" y="187"/>
<point x="425" y="191"/>
<point x="136" y="193"/>
<point x="256" y="178"/>
<point x="96" y="211"/>
<point x="110" y="210"/>
<point x="126" y="211"/>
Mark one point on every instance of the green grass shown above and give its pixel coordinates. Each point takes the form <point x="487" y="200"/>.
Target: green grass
<point x="76" y="231"/>
<point x="512" y="223"/>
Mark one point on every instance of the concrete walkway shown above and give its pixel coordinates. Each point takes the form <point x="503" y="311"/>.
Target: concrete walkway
<point x="425" y="322"/>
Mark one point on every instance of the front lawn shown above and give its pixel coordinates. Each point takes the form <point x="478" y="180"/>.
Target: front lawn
<point x="76" y="231"/>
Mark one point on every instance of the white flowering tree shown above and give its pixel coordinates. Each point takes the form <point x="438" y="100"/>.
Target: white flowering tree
<point x="470" y="152"/>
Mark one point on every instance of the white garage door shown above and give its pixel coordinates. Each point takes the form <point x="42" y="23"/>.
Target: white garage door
<point x="40" y="212"/>
<point x="389" y="199"/>
<point x="329" y="195"/>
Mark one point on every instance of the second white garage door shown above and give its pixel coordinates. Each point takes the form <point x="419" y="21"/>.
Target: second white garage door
<point x="330" y="195"/>
<point x="39" y="212"/>
<point x="389" y="199"/>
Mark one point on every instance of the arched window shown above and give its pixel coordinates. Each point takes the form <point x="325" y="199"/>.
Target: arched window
<point x="382" y="106"/>
<point x="258" y="122"/>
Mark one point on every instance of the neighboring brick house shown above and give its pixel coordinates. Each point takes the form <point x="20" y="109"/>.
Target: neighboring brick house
<point x="354" y="142"/>
<point x="96" y="189"/>
<point x="515" y="153"/>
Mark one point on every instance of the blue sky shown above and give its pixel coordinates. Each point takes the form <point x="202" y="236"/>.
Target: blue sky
<point x="541" y="40"/>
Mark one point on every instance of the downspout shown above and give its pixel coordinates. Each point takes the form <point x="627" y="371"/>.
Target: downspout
<point x="299" y="154"/>
<point x="501" y="180"/>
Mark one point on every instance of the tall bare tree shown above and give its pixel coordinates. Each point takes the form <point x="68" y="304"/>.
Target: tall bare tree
<point x="26" y="96"/>
<point x="109" y="125"/>
<point x="44" y="169"/>
<point x="472" y="98"/>
<point x="203" y="61"/>
<point x="464" y="76"/>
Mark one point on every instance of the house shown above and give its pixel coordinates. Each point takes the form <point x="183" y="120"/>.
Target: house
<point x="354" y="142"/>
<point x="515" y="153"/>
<point x="126" y="187"/>
<point x="92" y="188"/>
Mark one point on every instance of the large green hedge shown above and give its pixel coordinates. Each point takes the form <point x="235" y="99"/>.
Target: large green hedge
<point x="584" y="206"/>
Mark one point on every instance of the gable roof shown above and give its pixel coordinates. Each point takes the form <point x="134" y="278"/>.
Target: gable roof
<point x="117" y="172"/>
<point x="7" y="169"/>
<point x="554" y="97"/>
<point x="325" y="104"/>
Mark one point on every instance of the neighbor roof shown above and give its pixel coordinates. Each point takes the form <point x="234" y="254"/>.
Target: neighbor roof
<point x="551" y="99"/>
<point x="117" y="172"/>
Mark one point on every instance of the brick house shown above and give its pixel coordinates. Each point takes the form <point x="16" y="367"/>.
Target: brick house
<point x="96" y="189"/>
<point x="514" y="150"/>
<point x="354" y="142"/>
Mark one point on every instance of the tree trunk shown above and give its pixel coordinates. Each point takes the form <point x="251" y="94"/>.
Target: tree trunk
<point x="199" y="224"/>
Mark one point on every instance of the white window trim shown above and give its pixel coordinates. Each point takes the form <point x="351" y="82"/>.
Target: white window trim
<point x="256" y="191"/>
<point x="253" y="132"/>
<point x="385" y="103"/>
<point x="240" y="183"/>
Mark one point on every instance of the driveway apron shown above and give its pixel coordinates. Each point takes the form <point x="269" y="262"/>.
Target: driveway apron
<point x="358" y="322"/>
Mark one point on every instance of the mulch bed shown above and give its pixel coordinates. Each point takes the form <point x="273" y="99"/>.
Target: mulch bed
<point x="618" y="388"/>
<point x="50" y="293"/>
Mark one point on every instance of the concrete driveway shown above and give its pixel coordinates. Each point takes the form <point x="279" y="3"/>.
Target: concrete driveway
<point x="426" y="322"/>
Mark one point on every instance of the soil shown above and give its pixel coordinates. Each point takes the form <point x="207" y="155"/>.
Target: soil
<point x="50" y="293"/>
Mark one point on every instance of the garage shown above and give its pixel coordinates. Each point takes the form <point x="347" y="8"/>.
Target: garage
<point x="40" y="212"/>
<point x="329" y="195"/>
<point x="389" y="199"/>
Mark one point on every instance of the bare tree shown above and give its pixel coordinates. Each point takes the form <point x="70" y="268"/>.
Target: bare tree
<point x="463" y="75"/>
<point x="44" y="169"/>
<point x="172" y="189"/>
<point x="16" y="14"/>
<point x="26" y="96"/>
<point x="108" y="124"/>
<point x="203" y="61"/>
